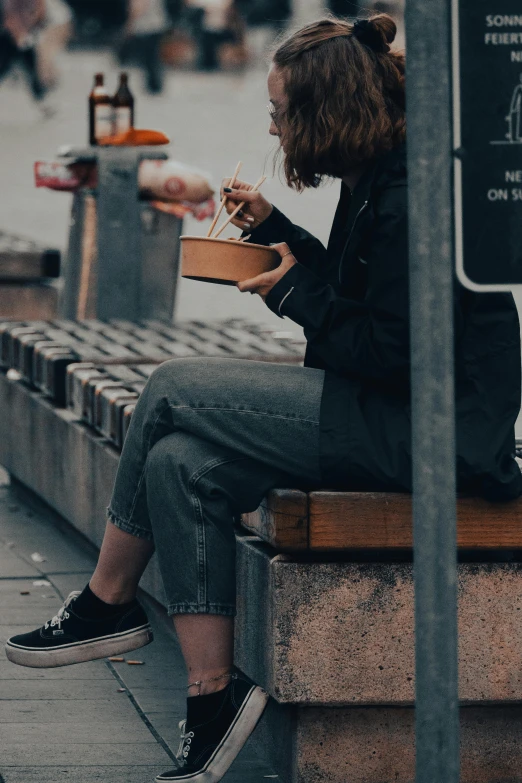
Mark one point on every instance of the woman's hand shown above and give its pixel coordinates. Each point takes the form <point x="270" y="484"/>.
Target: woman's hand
<point x="263" y="284"/>
<point x="256" y="208"/>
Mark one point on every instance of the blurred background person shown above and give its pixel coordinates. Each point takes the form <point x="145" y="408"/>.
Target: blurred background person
<point x="98" y="23"/>
<point x="147" y="23"/>
<point x="213" y="24"/>
<point x="56" y="31"/>
<point x="273" y="14"/>
<point x="33" y="33"/>
<point x="20" y="21"/>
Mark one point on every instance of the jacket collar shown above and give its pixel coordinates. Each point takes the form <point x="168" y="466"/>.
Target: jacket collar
<point x="383" y="168"/>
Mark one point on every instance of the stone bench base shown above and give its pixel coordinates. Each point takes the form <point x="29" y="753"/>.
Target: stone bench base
<point x="376" y="744"/>
<point x="341" y="634"/>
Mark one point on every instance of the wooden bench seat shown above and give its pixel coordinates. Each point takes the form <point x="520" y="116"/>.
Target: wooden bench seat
<point x="295" y="521"/>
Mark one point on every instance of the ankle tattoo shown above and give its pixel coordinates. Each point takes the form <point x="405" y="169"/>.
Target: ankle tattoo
<point x="199" y="683"/>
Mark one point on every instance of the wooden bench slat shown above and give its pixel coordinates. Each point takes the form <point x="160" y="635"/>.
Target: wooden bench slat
<point x="359" y="520"/>
<point x="333" y="521"/>
<point x="281" y="520"/>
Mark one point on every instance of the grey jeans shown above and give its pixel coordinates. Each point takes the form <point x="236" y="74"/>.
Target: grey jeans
<point x="208" y="439"/>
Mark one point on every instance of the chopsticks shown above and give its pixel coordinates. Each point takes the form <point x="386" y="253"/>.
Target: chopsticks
<point x="239" y="206"/>
<point x="224" y="200"/>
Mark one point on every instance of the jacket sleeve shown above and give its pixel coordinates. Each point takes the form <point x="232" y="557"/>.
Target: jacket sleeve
<point x="368" y="339"/>
<point x="278" y="228"/>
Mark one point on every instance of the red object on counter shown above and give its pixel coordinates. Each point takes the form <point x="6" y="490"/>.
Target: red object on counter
<point x="179" y="194"/>
<point x="159" y="180"/>
<point x="58" y="176"/>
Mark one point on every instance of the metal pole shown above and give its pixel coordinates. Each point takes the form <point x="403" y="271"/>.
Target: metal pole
<point x="428" y="85"/>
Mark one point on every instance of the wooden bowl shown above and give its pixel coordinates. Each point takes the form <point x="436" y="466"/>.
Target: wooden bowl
<point x="224" y="261"/>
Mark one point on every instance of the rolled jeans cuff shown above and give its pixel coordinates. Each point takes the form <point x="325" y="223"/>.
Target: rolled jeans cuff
<point x="129" y="527"/>
<point x="185" y="608"/>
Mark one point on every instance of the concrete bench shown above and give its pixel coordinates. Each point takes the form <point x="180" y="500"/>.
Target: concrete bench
<point x="326" y="624"/>
<point x="325" y="607"/>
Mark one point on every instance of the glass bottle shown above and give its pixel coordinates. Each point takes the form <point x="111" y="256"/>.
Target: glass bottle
<point x="100" y="111"/>
<point x="123" y="104"/>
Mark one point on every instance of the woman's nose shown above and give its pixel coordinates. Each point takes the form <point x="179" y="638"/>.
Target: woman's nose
<point x="273" y="130"/>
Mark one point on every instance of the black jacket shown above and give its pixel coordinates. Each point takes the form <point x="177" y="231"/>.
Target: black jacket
<point x="352" y="301"/>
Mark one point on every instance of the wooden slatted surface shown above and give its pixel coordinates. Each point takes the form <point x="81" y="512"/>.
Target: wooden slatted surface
<point x="337" y="521"/>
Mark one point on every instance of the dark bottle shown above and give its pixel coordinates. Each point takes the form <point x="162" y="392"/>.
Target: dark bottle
<point x="123" y="105"/>
<point x="100" y="111"/>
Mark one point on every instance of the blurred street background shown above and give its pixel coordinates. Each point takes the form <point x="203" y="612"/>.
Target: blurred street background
<point x="211" y="103"/>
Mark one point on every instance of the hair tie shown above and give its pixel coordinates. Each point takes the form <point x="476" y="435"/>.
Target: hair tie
<point x="365" y="32"/>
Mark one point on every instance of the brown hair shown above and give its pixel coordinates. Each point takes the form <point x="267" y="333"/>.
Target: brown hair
<point x="346" y="98"/>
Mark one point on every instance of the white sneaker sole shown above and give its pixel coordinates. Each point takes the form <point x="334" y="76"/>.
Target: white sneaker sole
<point x="79" y="652"/>
<point x="233" y="741"/>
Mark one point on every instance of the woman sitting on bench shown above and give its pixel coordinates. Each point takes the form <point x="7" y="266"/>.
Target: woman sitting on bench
<point x="210" y="437"/>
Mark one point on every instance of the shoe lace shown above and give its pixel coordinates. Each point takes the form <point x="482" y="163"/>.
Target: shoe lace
<point x="62" y="613"/>
<point x="184" y="745"/>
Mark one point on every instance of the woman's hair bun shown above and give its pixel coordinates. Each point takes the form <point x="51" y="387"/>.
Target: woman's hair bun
<point x="377" y="32"/>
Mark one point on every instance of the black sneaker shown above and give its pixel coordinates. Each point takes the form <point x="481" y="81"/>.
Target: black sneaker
<point x="210" y="743"/>
<point x="68" y="638"/>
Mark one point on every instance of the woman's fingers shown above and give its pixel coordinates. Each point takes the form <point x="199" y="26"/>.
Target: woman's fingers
<point x="243" y="216"/>
<point x="245" y="213"/>
<point x="237" y="184"/>
<point x="242" y="224"/>
<point x="253" y="283"/>
<point x="237" y="195"/>
<point x="256" y="208"/>
<point x="281" y="248"/>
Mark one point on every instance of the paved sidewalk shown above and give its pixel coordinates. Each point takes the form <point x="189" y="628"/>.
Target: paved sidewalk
<point x="75" y="723"/>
